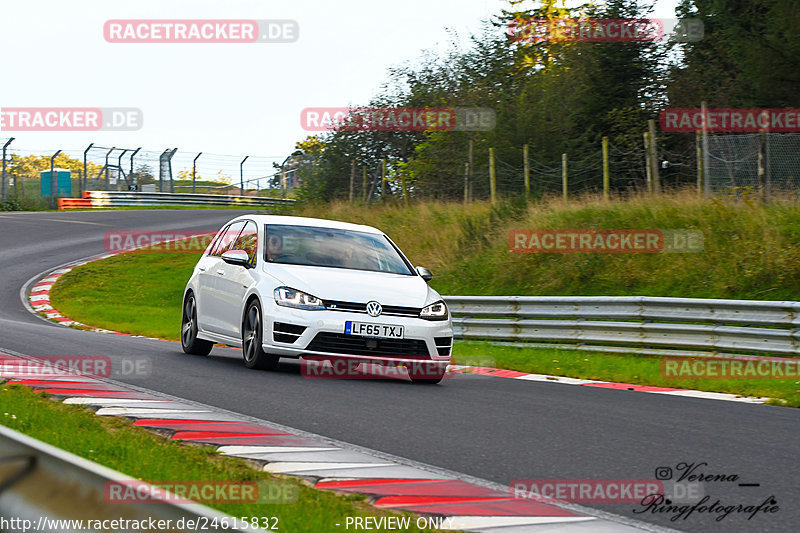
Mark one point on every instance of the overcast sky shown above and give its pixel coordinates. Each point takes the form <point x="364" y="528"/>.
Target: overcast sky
<point x="217" y="98"/>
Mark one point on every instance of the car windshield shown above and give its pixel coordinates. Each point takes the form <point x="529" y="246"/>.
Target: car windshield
<point x="334" y="248"/>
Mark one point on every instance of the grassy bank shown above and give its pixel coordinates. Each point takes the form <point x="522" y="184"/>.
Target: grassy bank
<point x="751" y="250"/>
<point x="117" y="444"/>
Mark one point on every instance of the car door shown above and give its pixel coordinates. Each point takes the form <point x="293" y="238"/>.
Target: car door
<point x="215" y="269"/>
<point x="205" y="280"/>
<point x="234" y="281"/>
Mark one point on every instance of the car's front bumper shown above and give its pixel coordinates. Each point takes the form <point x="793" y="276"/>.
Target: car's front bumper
<point x="324" y="335"/>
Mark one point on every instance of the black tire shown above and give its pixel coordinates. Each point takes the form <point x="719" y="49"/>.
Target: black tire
<point x="189" y="341"/>
<point x="252" y="351"/>
<point x="427" y="375"/>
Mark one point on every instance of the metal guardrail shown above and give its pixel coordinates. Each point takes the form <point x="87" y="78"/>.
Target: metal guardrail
<point x="101" y="199"/>
<point x="40" y="482"/>
<point x="641" y="321"/>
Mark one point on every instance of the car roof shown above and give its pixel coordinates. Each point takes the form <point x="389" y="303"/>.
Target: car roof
<point x="305" y="221"/>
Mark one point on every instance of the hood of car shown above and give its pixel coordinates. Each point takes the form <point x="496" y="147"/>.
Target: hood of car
<point x="355" y="285"/>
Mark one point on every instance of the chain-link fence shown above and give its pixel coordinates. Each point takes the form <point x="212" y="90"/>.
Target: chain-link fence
<point x="763" y="162"/>
<point x="122" y="169"/>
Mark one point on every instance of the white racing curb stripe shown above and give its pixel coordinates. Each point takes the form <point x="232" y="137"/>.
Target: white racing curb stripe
<point x="133" y="411"/>
<point x="111" y="401"/>
<point x="485" y="522"/>
<point x="251" y="450"/>
<point x="279" y="468"/>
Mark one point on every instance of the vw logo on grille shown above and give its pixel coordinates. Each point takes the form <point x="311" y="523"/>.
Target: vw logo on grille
<point x="374" y="309"/>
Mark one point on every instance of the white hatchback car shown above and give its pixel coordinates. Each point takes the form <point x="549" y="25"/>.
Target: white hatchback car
<point x="282" y="286"/>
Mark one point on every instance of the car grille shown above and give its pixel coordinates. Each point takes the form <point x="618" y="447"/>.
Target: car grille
<point x="352" y="345"/>
<point x="388" y="310"/>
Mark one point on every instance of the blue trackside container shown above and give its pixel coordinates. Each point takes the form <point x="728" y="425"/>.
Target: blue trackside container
<point x="63" y="182"/>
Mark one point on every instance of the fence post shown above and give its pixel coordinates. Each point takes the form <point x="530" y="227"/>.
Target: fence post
<point x="606" y="172"/>
<point x="762" y="170"/>
<point x="492" y="177"/>
<point x="85" y="169"/>
<point x="194" y="171"/>
<point x="383" y="180"/>
<point x="654" y="156"/>
<point x="352" y="178"/>
<point x="706" y="154"/>
<point x="698" y="141"/>
<point x="241" y="175"/>
<point x="526" y="172"/>
<point x="53" y="189"/>
<point x="647" y="163"/>
<point x="5" y="191"/>
<point x="471" y="166"/>
<point x="404" y="185"/>
<point x="466" y="182"/>
<point x="364" y="183"/>
<point x="564" y="177"/>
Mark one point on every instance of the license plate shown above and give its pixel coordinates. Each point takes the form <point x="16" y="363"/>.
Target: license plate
<point x="364" y="329"/>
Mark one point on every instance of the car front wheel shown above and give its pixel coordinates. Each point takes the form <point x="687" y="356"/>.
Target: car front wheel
<point x="254" y="355"/>
<point x="189" y="341"/>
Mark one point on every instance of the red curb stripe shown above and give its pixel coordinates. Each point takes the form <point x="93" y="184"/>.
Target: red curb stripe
<point x="168" y="421"/>
<point x="219" y="427"/>
<point x="205" y="435"/>
<point x="629" y="386"/>
<point x="412" y="487"/>
<point x="404" y="501"/>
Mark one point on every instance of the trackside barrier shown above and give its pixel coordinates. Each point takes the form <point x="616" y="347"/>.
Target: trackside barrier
<point x="40" y="482"/>
<point x="108" y="199"/>
<point x="624" y="321"/>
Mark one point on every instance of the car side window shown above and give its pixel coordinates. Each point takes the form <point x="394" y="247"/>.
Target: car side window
<point x="248" y="241"/>
<point x="227" y="238"/>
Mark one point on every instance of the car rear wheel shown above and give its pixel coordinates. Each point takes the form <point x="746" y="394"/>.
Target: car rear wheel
<point x="254" y="355"/>
<point x="189" y="341"/>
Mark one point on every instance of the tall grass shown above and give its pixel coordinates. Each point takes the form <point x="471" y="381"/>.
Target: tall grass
<point x="751" y="249"/>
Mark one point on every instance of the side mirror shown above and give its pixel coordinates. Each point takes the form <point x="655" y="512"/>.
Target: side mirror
<point x="424" y="273"/>
<point x="237" y="257"/>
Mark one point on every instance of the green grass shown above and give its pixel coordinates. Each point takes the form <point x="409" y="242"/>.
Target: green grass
<point x="117" y="444"/>
<point x="752" y="250"/>
<point x="623" y="368"/>
<point x="138" y="293"/>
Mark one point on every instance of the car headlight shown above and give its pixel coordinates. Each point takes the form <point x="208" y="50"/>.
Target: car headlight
<point x="435" y="311"/>
<point x="288" y="297"/>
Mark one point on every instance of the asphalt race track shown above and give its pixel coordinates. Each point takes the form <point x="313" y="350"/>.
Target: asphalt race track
<point x="491" y="428"/>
